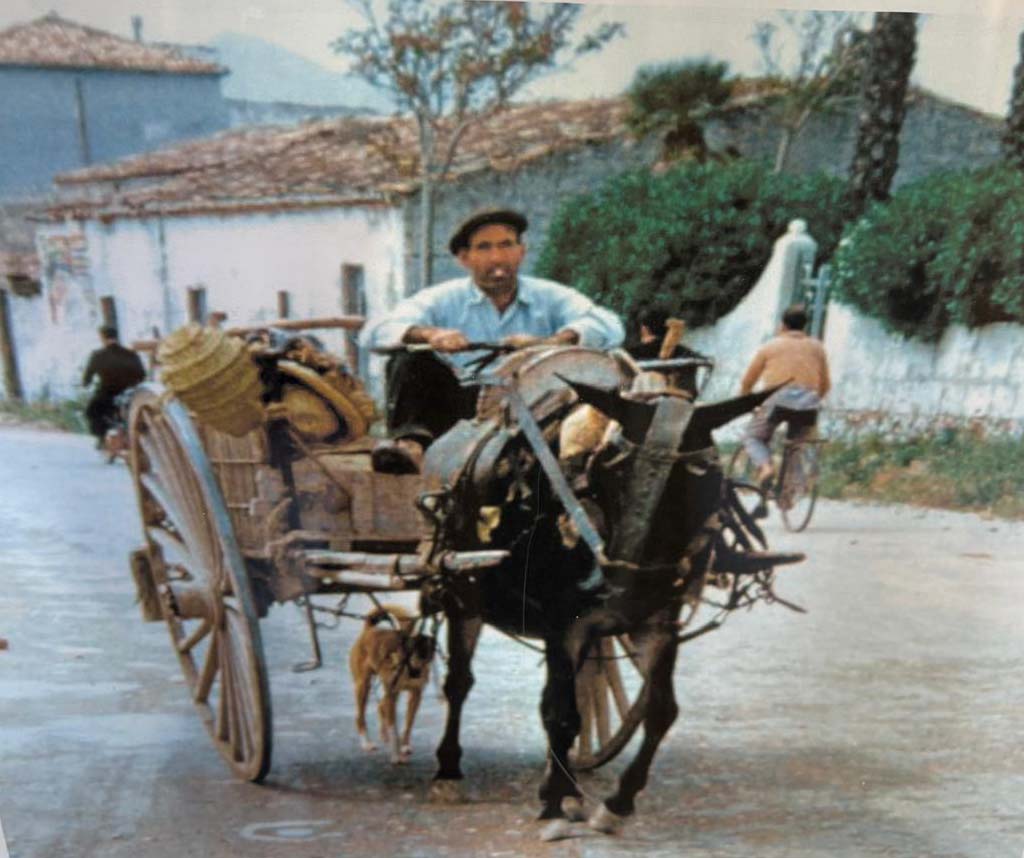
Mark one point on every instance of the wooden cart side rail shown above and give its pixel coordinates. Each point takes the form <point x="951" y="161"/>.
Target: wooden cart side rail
<point x="348" y="323"/>
<point x="237" y="463"/>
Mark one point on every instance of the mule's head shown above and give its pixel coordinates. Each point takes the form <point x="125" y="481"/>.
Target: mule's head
<point x="659" y="485"/>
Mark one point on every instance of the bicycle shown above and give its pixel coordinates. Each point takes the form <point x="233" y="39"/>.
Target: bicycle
<point x="794" y="488"/>
<point x="114" y="444"/>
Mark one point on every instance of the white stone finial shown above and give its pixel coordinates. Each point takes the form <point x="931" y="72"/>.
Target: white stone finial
<point x="797" y="226"/>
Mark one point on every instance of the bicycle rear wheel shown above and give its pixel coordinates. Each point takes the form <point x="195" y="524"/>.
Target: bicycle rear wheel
<point x="799" y="485"/>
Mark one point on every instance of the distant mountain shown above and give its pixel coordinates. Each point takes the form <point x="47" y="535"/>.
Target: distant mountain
<point x="243" y="113"/>
<point x="263" y="71"/>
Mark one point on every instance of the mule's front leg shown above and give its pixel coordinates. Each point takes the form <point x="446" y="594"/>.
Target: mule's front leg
<point x="561" y="720"/>
<point x="660" y="713"/>
<point x="463" y="633"/>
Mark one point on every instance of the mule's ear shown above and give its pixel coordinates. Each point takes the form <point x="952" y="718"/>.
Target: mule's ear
<point x="634" y="417"/>
<point x="716" y="414"/>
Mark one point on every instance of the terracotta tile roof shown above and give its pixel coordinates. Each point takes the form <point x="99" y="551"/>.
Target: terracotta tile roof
<point x="54" y="42"/>
<point x="344" y="161"/>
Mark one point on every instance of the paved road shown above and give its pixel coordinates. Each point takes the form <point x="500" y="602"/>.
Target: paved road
<point x="886" y="722"/>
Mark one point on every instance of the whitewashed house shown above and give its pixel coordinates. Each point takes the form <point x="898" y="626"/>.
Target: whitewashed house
<point x="265" y="223"/>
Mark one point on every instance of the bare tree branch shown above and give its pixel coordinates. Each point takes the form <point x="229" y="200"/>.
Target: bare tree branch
<point x="825" y="47"/>
<point x="450" y="64"/>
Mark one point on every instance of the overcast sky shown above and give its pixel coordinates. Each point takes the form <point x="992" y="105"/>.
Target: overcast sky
<point x="967" y="48"/>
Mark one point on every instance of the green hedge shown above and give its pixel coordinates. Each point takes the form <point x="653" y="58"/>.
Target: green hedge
<point x="694" y="238"/>
<point x="949" y="248"/>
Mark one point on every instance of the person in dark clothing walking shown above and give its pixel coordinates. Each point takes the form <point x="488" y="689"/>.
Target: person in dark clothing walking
<point x="117" y="369"/>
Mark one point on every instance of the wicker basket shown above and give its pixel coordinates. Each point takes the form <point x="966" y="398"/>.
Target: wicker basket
<point x="214" y="376"/>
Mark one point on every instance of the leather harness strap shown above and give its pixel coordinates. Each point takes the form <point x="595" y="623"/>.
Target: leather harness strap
<point x="650" y="474"/>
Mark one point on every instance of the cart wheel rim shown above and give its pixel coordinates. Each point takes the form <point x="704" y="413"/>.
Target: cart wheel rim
<point x="611" y="693"/>
<point x="205" y="592"/>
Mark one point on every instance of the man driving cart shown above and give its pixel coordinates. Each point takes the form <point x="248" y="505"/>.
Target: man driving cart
<point x="494" y="304"/>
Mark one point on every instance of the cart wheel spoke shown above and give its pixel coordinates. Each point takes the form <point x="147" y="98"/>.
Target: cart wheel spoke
<point x="163" y="504"/>
<point x="599" y="690"/>
<point x="614" y="678"/>
<point x="170" y="540"/>
<point x="210" y="666"/>
<point x="584" y="744"/>
<point x="223" y="719"/>
<point x="201" y="631"/>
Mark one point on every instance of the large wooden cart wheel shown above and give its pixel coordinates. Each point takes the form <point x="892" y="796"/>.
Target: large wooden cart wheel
<point x="201" y="578"/>
<point x="610" y="699"/>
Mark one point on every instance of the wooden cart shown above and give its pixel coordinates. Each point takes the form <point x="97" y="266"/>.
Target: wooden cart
<point x="234" y="524"/>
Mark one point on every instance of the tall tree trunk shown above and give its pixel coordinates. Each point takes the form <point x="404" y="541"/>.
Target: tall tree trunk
<point x="8" y="353"/>
<point x="890" y="59"/>
<point x="1013" y="135"/>
<point x="782" y="153"/>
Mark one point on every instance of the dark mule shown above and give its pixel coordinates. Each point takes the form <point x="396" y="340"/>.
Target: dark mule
<point x="653" y="494"/>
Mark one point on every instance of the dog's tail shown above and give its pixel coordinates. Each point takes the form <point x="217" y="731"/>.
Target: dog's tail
<point x="377" y="615"/>
<point x="391" y="614"/>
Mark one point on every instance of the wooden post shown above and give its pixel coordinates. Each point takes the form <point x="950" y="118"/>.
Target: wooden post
<point x="353" y="303"/>
<point x="8" y="353"/>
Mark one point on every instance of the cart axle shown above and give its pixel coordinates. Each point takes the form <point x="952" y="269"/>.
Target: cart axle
<point x="366" y="571"/>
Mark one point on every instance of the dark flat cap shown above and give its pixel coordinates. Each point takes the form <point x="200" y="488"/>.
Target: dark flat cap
<point x="485" y="217"/>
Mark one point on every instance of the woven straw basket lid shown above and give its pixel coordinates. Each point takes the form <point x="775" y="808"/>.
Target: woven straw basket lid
<point x="193" y="355"/>
<point x="214" y="376"/>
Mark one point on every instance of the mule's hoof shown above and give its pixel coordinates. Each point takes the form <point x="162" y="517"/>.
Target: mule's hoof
<point x="557" y="829"/>
<point x="572" y="807"/>
<point x="369" y="747"/>
<point x="399" y="759"/>
<point x="605" y="821"/>
<point x="446" y="791"/>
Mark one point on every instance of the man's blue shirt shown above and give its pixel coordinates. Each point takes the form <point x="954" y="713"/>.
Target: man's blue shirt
<point x="541" y="308"/>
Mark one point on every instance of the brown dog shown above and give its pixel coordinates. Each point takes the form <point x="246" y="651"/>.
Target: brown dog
<point x="389" y="649"/>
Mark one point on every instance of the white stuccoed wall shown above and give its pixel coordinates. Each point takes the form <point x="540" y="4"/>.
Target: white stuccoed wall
<point x="40" y="356"/>
<point x="148" y="265"/>
<point x="885" y="380"/>
<point x="880" y="380"/>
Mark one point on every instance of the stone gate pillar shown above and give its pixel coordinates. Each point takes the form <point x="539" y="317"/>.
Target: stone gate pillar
<point x="794" y="253"/>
